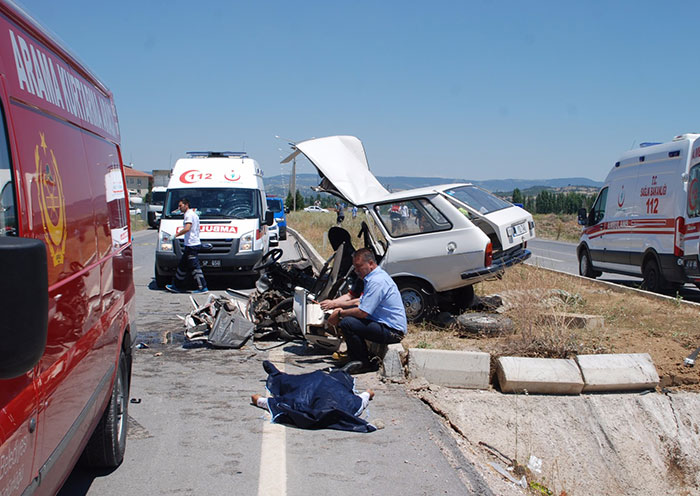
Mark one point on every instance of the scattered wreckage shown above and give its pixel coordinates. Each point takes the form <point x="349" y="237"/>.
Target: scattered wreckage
<point x="284" y="304"/>
<point x="435" y="242"/>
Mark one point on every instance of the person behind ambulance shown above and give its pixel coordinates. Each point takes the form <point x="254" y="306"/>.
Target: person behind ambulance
<point x="189" y="261"/>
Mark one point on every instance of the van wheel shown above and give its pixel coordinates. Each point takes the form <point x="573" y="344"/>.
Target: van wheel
<point x="106" y="446"/>
<point x="653" y="280"/>
<point x="161" y="280"/>
<point x="585" y="267"/>
<point x="416" y="300"/>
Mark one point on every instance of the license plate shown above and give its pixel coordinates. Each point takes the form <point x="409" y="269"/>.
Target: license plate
<point x="520" y="229"/>
<point x="211" y="263"/>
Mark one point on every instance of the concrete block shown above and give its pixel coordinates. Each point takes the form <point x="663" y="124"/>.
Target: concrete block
<point x="618" y="372"/>
<point x="573" y="320"/>
<point x="463" y="369"/>
<point x="539" y="375"/>
<point x="393" y="363"/>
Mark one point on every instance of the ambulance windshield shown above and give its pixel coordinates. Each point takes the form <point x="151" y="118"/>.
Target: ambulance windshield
<point x="215" y="203"/>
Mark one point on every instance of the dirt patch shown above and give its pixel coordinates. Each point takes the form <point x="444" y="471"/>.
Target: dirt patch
<point x="633" y="323"/>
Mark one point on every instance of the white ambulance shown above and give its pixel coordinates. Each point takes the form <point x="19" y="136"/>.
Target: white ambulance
<point x="646" y="219"/>
<point x="227" y="192"/>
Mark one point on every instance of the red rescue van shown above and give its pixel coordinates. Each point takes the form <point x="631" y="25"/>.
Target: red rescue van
<point x="66" y="284"/>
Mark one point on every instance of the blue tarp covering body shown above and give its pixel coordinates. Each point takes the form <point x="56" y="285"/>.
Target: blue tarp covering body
<point x="317" y="400"/>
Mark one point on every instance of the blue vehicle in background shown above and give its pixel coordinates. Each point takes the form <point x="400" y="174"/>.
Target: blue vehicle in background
<point x="276" y="205"/>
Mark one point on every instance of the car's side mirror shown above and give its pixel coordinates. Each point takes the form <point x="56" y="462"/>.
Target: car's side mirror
<point x="269" y="218"/>
<point x="24" y="304"/>
<point x="582" y="216"/>
<point x="286" y="210"/>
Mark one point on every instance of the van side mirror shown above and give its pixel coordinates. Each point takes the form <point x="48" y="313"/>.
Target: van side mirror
<point x="269" y="218"/>
<point x="582" y="216"/>
<point x="286" y="210"/>
<point x="24" y="304"/>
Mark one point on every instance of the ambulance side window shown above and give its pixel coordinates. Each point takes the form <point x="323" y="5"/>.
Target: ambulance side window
<point x="8" y="210"/>
<point x="694" y="192"/>
<point x="598" y="210"/>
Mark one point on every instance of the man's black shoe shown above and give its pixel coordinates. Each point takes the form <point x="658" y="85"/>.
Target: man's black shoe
<point x="270" y="368"/>
<point x="351" y="367"/>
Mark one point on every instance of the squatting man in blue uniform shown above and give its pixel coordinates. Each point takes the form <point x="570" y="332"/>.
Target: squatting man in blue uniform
<point x="378" y="315"/>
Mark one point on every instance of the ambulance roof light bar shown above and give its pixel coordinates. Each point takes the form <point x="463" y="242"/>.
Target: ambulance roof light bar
<point x="211" y="154"/>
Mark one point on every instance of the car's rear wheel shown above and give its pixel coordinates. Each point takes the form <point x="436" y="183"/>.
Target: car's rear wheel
<point x="417" y="301"/>
<point x="106" y="447"/>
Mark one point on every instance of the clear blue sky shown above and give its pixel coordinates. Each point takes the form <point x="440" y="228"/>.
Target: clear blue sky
<point x="478" y="90"/>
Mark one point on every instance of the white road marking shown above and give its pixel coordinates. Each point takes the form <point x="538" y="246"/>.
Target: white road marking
<point x="547" y="258"/>
<point x="273" y="453"/>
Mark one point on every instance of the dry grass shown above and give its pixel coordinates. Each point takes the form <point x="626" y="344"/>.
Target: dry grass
<point x="558" y="227"/>
<point x="314" y="227"/>
<point x="633" y="323"/>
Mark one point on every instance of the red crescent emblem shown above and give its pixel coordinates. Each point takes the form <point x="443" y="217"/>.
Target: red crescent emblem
<point x="232" y="176"/>
<point x="183" y="177"/>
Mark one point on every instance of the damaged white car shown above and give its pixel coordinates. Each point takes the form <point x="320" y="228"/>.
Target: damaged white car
<point x="435" y="242"/>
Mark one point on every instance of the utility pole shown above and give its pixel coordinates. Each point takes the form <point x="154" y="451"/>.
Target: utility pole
<point x="293" y="184"/>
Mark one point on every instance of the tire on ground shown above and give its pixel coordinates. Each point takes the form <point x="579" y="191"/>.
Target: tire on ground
<point x="107" y="445"/>
<point x="483" y="323"/>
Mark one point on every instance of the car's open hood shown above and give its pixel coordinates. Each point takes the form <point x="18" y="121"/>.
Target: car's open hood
<point x="342" y="165"/>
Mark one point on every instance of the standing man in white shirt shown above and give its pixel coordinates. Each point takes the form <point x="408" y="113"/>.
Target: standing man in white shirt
<point x="189" y="262"/>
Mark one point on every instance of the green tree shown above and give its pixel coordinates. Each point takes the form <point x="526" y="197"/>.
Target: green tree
<point x="289" y="201"/>
<point x="300" y="200"/>
<point x="517" y="196"/>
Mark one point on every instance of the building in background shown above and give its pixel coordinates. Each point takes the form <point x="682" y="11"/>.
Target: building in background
<point x="161" y="177"/>
<point x="137" y="180"/>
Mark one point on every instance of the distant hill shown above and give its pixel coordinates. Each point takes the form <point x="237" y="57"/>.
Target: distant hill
<point x="279" y="185"/>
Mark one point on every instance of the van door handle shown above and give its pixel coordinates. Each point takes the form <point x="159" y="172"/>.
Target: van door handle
<point x="451" y="247"/>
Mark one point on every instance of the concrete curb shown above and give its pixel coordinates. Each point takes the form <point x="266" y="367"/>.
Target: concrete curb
<point x="539" y="375"/>
<point x="462" y="369"/>
<point x="618" y="372"/>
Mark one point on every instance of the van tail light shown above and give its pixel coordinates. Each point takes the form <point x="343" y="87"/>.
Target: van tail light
<point x="488" y="258"/>
<point x="678" y="235"/>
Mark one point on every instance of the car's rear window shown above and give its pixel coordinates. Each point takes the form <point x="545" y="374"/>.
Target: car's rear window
<point x="478" y="199"/>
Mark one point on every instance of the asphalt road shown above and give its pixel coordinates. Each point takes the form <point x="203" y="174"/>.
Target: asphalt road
<point x="561" y="256"/>
<point x="193" y="431"/>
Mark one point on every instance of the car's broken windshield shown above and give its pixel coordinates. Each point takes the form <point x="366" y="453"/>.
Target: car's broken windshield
<point x="478" y="199"/>
<point x="215" y="203"/>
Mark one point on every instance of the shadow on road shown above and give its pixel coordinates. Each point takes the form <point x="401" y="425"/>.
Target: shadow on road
<point x="80" y="480"/>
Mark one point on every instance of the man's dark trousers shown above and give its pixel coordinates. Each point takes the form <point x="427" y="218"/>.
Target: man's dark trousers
<point x="357" y="330"/>
<point x="189" y="264"/>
